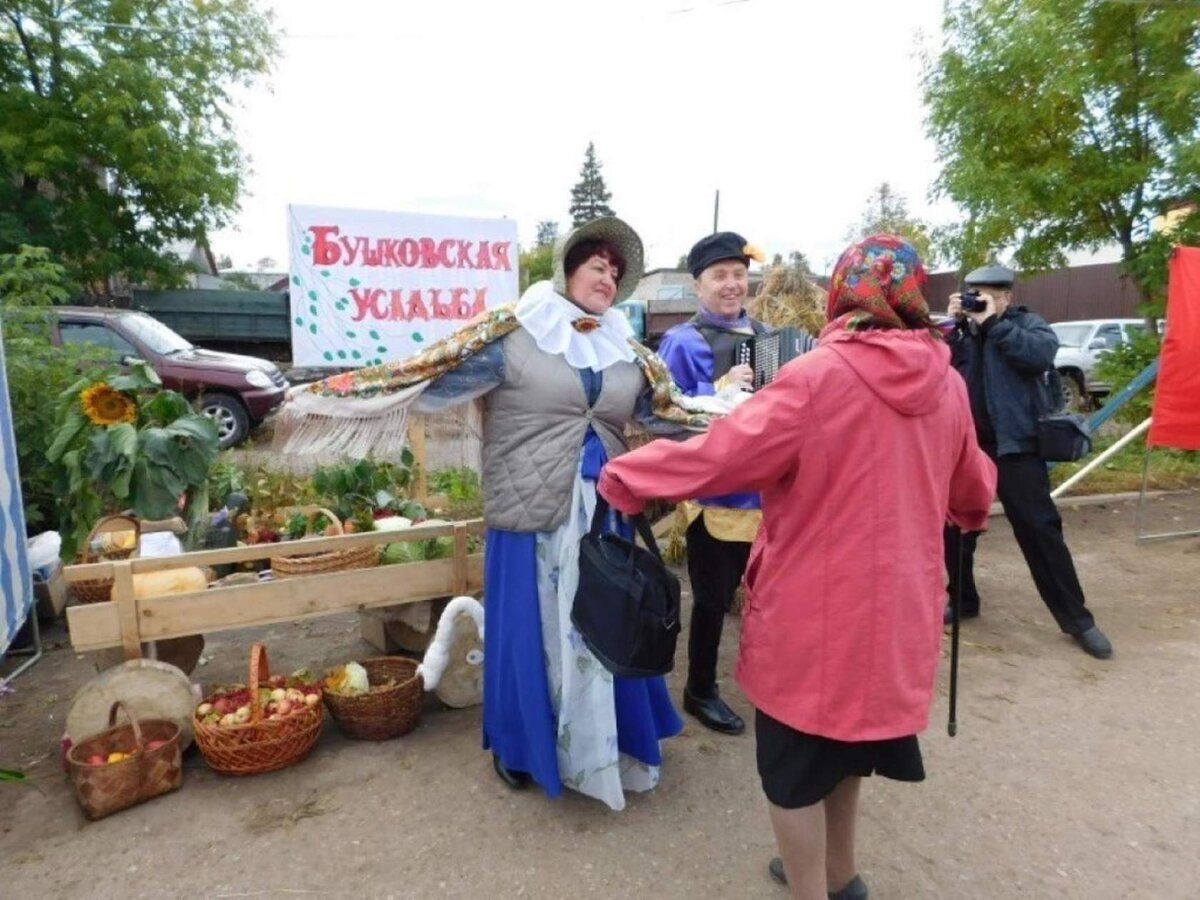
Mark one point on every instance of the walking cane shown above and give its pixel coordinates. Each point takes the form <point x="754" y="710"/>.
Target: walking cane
<point x="955" y="621"/>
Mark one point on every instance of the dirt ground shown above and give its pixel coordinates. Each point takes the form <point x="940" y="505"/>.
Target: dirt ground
<point x="1070" y="777"/>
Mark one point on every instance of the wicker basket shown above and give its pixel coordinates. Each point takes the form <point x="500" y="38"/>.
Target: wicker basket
<point x="260" y="745"/>
<point x="384" y="714"/>
<point x="103" y="790"/>
<point x="99" y="590"/>
<point x="329" y="561"/>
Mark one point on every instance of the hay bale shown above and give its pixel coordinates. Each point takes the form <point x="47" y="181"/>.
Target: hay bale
<point x="785" y="297"/>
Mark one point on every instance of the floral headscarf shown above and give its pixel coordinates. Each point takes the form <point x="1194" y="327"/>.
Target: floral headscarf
<point x="877" y="284"/>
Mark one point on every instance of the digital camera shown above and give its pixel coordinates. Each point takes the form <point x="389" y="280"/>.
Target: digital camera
<point x="972" y="301"/>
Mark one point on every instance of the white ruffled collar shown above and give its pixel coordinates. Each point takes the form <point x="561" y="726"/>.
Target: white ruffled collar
<point x="547" y="316"/>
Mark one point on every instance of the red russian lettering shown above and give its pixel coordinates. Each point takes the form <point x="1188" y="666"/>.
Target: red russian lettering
<point x="500" y="255"/>
<point x="397" y="312"/>
<point x="325" y="251"/>
<point x="387" y="248"/>
<point x="367" y="300"/>
<point x="428" y="253"/>
<point x="443" y="253"/>
<point x="480" y="301"/>
<point x="440" y="309"/>
<point x="462" y="309"/>
<point x="409" y="253"/>
<point x="416" y="306"/>
<point x="371" y="255"/>
<point x="464" y="254"/>
<point x="484" y="259"/>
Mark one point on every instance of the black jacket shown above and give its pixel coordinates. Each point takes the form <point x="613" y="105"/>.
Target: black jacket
<point x="1017" y="350"/>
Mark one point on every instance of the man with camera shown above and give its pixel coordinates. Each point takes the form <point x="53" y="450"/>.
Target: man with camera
<point x="1002" y="352"/>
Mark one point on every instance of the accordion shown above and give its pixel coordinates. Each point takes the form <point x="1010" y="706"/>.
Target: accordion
<point x="766" y="353"/>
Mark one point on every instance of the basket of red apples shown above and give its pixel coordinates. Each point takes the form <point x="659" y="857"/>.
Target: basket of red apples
<point x="268" y="724"/>
<point x="126" y="764"/>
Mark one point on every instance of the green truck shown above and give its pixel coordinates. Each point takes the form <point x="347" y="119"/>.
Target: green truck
<point x="253" y="322"/>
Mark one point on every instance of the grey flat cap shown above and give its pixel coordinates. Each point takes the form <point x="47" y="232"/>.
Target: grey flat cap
<point x="991" y="276"/>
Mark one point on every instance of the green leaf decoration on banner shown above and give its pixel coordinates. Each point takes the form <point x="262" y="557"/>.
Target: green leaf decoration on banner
<point x="295" y="279"/>
<point x="351" y="334"/>
<point x="312" y="310"/>
<point x="354" y="282"/>
<point x="328" y="356"/>
<point x="312" y="295"/>
<point x="306" y="249"/>
<point x="324" y="273"/>
<point x="416" y="336"/>
<point x="299" y="321"/>
<point x="356" y="354"/>
<point x="374" y="334"/>
<point x="381" y="349"/>
<point x="341" y="354"/>
<point x="312" y="328"/>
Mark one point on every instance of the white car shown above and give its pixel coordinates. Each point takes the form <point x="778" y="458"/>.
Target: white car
<point x="1080" y="346"/>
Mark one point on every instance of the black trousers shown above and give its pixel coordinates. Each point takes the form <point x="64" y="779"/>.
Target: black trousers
<point x="1023" y="488"/>
<point x="715" y="569"/>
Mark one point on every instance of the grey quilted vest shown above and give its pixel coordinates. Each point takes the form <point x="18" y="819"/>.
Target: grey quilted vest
<point x="533" y="429"/>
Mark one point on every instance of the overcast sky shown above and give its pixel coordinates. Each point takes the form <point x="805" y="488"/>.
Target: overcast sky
<point x="794" y="110"/>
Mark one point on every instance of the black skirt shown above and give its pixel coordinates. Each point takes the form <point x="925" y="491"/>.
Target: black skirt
<point x="799" y="769"/>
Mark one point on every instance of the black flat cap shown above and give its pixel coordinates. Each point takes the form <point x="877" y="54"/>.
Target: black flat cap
<point x="716" y="248"/>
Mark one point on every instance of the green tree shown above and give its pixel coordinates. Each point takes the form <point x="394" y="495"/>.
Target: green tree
<point x="547" y="233"/>
<point x="799" y="262"/>
<point x="886" y="212"/>
<point x="30" y="282"/>
<point x="31" y="278"/>
<point x="1064" y="124"/>
<point x="118" y="132"/>
<point x="536" y="265"/>
<point x="590" y="196"/>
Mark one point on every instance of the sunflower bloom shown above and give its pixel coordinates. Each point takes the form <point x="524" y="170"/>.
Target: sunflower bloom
<point x="106" y="406"/>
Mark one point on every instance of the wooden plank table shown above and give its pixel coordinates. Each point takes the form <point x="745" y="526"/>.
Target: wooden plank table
<point x="126" y="621"/>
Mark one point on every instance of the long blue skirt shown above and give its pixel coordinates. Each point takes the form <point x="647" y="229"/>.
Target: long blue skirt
<point x="519" y="722"/>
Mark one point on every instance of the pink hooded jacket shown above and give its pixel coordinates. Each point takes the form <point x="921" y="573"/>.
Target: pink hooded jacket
<point x="862" y="449"/>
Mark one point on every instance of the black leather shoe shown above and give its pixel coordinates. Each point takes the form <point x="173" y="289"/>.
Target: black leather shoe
<point x="948" y="615"/>
<point x="775" y="867"/>
<point x="856" y="889"/>
<point x="515" y="780"/>
<point x="713" y="712"/>
<point x="1094" y="642"/>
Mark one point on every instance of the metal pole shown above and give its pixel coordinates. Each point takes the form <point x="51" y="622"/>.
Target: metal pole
<point x="716" y="209"/>
<point x="1100" y="460"/>
<point x="34" y="651"/>
<point x="955" y="623"/>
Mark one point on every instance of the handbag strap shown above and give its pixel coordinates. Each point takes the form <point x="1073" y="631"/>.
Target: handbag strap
<point x="640" y="523"/>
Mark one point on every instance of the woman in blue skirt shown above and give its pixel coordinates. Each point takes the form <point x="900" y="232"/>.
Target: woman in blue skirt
<point x="558" y="393"/>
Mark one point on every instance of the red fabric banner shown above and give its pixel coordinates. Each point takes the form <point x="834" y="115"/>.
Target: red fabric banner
<point x="1177" y="396"/>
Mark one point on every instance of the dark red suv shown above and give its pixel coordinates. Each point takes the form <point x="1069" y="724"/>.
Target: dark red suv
<point x="236" y="391"/>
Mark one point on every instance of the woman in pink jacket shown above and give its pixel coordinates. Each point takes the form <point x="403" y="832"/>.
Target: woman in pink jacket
<point x="862" y="449"/>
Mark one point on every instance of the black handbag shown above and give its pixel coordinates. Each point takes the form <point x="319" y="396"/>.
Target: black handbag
<point x="1061" y="436"/>
<point x="627" y="604"/>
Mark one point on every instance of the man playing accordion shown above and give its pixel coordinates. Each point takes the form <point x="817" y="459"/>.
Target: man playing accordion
<point x="702" y="355"/>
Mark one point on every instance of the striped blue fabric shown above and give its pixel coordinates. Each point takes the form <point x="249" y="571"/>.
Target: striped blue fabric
<point x="16" y="581"/>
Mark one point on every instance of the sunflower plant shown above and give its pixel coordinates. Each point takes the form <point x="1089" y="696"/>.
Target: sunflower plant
<point x="123" y="442"/>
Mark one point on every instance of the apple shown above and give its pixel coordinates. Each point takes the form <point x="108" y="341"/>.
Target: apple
<point x="154" y="745"/>
<point x="95" y="760"/>
<point x="311" y="700"/>
<point x="285" y="707"/>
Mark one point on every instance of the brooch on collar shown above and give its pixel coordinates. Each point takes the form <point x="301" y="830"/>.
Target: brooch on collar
<point x="585" y="324"/>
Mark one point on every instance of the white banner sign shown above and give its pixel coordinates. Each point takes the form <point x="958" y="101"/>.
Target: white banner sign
<point x="370" y="287"/>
